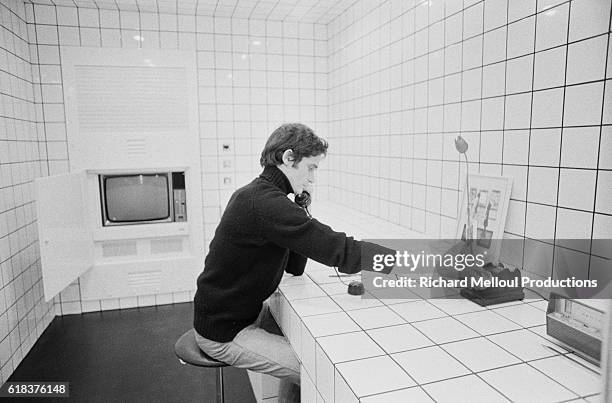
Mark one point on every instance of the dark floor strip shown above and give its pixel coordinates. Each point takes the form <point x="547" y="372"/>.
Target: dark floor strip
<point x="126" y="356"/>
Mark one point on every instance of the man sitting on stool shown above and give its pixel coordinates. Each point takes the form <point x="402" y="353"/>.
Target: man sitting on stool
<point x="262" y="234"/>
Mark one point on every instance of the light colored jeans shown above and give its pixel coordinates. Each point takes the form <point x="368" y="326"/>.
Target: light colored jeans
<point x="260" y="347"/>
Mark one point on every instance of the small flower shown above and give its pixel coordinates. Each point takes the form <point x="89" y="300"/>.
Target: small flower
<point x="461" y="145"/>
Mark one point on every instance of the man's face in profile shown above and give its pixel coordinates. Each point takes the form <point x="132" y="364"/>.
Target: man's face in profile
<point x="302" y="175"/>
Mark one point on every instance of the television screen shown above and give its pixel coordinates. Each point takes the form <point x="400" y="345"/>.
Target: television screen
<point x="133" y="198"/>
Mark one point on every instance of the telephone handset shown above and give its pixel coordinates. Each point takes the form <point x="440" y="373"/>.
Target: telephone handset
<point x="303" y="199"/>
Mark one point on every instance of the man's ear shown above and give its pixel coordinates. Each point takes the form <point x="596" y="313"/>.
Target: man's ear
<point x="288" y="157"/>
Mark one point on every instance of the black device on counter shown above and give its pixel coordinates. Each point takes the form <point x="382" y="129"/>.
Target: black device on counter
<point x="493" y="295"/>
<point x="577" y="324"/>
<point x="355" y="288"/>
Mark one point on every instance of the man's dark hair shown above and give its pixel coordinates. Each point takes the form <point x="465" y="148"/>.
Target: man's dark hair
<point x="296" y="137"/>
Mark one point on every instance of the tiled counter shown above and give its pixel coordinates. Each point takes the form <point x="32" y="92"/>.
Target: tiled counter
<point x="415" y="350"/>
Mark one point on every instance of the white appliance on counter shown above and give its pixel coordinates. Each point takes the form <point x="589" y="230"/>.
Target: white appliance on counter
<point x="127" y="219"/>
<point x="578" y="324"/>
<point x="607" y="358"/>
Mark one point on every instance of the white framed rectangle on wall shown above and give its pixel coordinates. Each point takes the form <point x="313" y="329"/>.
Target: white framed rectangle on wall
<point x="129" y="108"/>
<point x="486" y="204"/>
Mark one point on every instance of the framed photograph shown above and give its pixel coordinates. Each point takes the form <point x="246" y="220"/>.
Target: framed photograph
<point x="486" y="204"/>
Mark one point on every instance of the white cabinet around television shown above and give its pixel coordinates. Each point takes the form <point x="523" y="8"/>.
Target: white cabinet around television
<point x="127" y="219"/>
<point x="148" y="255"/>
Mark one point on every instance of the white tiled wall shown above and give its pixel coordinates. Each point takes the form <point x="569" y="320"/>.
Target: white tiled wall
<point x="524" y="82"/>
<point x="24" y="315"/>
<point x="253" y="75"/>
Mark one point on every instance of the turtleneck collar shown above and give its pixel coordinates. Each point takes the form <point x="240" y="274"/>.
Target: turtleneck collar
<point x="276" y="176"/>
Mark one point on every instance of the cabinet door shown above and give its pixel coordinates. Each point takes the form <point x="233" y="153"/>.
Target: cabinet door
<point x="66" y="245"/>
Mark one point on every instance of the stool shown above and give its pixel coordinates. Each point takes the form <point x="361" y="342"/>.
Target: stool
<point x="188" y="352"/>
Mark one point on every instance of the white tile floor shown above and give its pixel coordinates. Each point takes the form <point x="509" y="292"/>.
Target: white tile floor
<point x="378" y="350"/>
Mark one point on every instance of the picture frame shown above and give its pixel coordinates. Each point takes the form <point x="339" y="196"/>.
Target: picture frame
<point x="489" y="198"/>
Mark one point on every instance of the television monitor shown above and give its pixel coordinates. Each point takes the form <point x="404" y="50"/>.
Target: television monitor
<point x="142" y="198"/>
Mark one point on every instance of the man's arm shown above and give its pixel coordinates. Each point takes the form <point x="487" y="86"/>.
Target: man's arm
<point x="296" y="264"/>
<point x="283" y="222"/>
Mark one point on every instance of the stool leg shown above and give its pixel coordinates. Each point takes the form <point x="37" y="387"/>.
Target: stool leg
<point x="220" y="397"/>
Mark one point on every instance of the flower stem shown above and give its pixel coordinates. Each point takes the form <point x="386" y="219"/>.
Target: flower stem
<point x="467" y="183"/>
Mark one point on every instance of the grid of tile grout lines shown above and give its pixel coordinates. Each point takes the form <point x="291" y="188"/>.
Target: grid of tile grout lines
<point x="242" y="72"/>
<point x="438" y="77"/>
<point x="491" y="354"/>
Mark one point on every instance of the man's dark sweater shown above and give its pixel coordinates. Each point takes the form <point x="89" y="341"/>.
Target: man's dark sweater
<point x="262" y="233"/>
